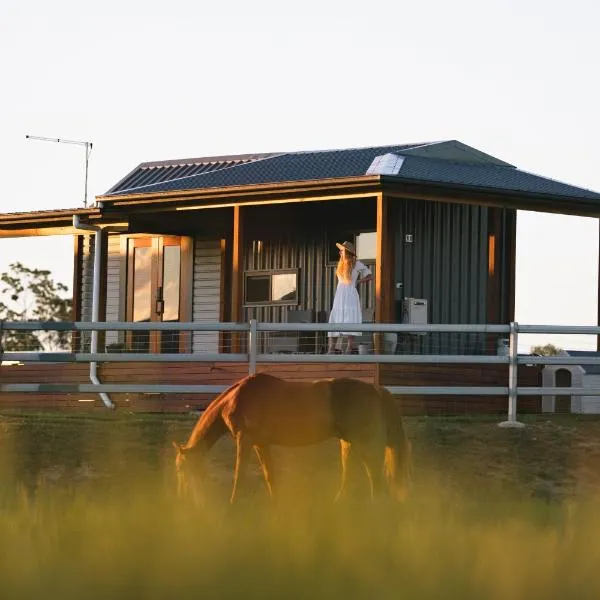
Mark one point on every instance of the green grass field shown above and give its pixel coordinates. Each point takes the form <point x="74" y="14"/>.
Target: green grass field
<point x="87" y="510"/>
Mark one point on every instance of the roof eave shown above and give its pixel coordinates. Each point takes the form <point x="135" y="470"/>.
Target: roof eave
<point x="285" y="188"/>
<point x="521" y="200"/>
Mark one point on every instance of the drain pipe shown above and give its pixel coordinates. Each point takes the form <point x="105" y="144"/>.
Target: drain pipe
<point x="77" y="224"/>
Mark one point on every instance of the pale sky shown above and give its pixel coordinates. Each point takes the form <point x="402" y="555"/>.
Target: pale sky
<point x="162" y="80"/>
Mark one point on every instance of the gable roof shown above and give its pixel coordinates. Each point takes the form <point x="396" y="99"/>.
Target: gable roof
<point x="448" y="163"/>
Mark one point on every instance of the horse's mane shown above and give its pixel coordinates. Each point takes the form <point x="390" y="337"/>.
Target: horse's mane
<point x="210" y="415"/>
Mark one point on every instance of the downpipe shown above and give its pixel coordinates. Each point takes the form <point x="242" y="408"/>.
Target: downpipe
<point x="77" y="224"/>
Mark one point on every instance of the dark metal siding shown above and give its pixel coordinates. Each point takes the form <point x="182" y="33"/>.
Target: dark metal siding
<point x="446" y="263"/>
<point x="316" y="277"/>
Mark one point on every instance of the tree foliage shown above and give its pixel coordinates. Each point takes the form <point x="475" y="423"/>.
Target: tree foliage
<point x="547" y="350"/>
<point x="33" y="295"/>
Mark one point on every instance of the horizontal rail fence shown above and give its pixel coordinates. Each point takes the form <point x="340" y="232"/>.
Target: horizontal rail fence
<point x="254" y="357"/>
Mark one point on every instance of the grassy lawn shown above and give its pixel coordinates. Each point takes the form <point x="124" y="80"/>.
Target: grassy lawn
<point x="87" y="509"/>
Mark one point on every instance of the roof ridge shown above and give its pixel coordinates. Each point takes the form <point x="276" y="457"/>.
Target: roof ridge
<point x="386" y="146"/>
<point x="463" y="163"/>
<point x="202" y="160"/>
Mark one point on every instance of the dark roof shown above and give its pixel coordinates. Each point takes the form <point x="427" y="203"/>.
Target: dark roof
<point x="589" y="369"/>
<point x="265" y="168"/>
<point x="449" y="163"/>
<point x="487" y="176"/>
<point x="167" y="170"/>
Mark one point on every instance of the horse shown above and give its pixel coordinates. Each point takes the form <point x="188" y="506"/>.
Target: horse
<point x="262" y="410"/>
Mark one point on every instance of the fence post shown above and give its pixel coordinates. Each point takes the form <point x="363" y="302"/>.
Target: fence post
<point x="252" y="347"/>
<point x="513" y="368"/>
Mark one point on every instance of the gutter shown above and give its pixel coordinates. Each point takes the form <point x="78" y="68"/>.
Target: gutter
<point x="77" y="224"/>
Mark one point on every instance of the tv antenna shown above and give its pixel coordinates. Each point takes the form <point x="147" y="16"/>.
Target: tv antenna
<point x="88" y="150"/>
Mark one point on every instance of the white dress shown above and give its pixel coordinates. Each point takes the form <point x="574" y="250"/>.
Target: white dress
<point x="346" y="302"/>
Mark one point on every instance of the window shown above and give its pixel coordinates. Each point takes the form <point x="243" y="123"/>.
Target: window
<point x="257" y="288"/>
<point x="366" y="245"/>
<point x="271" y="287"/>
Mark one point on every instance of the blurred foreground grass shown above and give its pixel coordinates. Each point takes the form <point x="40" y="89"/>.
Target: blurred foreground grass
<point x="87" y="510"/>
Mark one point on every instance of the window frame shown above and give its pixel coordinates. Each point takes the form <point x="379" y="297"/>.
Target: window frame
<point x="269" y="273"/>
<point x="350" y="235"/>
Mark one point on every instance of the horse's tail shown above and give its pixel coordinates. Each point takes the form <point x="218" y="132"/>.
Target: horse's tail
<point x="398" y="447"/>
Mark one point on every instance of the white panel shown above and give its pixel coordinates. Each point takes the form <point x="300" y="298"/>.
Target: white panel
<point x="113" y="283"/>
<point x="206" y="292"/>
<point x="591" y="404"/>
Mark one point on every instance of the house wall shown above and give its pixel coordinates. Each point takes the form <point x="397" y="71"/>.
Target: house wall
<point x="446" y="263"/>
<point x="206" y="288"/>
<point x="303" y="236"/>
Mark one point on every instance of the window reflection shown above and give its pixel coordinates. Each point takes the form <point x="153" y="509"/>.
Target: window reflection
<point x="283" y="287"/>
<point x="141" y="283"/>
<point x="171" y="278"/>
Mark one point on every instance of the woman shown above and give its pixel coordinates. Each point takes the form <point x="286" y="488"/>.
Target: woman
<point x="346" y="302"/>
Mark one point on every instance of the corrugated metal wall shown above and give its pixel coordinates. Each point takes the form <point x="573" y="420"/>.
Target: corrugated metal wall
<point x="446" y="264"/>
<point x="316" y="276"/>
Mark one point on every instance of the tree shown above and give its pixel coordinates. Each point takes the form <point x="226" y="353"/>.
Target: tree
<point x="547" y="350"/>
<point x="32" y="295"/>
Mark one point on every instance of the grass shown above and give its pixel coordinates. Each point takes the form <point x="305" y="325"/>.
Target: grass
<point x="87" y="509"/>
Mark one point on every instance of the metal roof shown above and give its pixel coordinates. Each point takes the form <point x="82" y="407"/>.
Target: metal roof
<point x="167" y="170"/>
<point x="589" y="369"/>
<point x="447" y="162"/>
<point x="262" y="168"/>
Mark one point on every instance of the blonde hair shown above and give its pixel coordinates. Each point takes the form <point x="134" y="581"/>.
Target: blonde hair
<point x="345" y="266"/>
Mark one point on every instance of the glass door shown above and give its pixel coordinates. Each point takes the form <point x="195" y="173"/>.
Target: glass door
<point x="154" y="291"/>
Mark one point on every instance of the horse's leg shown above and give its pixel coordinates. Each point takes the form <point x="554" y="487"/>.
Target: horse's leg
<point x="345" y="448"/>
<point x="266" y="462"/>
<point x="243" y="447"/>
<point x="372" y="455"/>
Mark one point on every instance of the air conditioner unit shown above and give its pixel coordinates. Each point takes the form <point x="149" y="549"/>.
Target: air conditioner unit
<point x="415" y="311"/>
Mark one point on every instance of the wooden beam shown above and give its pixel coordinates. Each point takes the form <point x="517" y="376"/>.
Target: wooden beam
<point x="186" y="290"/>
<point x="237" y="274"/>
<point x="76" y="306"/>
<point x="511" y="258"/>
<point x="36" y="231"/>
<point x="384" y="268"/>
<point x="102" y="299"/>
<point x="598" y="319"/>
<point x="494" y="258"/>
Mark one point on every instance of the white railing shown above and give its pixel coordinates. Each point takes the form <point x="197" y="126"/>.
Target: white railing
<point x="254" y="357"/>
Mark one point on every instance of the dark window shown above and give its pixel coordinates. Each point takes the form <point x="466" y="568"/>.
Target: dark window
<point x="258" y="288"/>
<point x="273" y="287"/>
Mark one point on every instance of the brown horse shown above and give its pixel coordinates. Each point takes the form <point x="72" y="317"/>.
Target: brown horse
<point x="262" y="410"/>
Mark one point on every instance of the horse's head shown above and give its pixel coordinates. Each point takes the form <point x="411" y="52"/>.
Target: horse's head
<point x="180" y="459"/>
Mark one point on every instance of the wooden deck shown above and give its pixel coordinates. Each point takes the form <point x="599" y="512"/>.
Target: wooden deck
<point x="215" y="373"/>
<point x="200" y="373"/>
<point x="461" y="375"/>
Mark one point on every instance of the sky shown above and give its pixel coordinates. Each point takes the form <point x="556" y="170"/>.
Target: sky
<point x="152" y="80"/>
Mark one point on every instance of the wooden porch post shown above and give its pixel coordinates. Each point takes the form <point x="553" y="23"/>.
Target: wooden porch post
<point x="237" y="275"/>
<point x="598" y="320"/>
<point x="384" y="269"/>
<point x="494" y="236"/>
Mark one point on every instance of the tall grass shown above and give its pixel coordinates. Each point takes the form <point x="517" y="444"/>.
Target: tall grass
<point x="122" y="533"/>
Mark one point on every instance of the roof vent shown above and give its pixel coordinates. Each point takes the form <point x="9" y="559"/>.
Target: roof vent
<point x="386" y="164"/>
